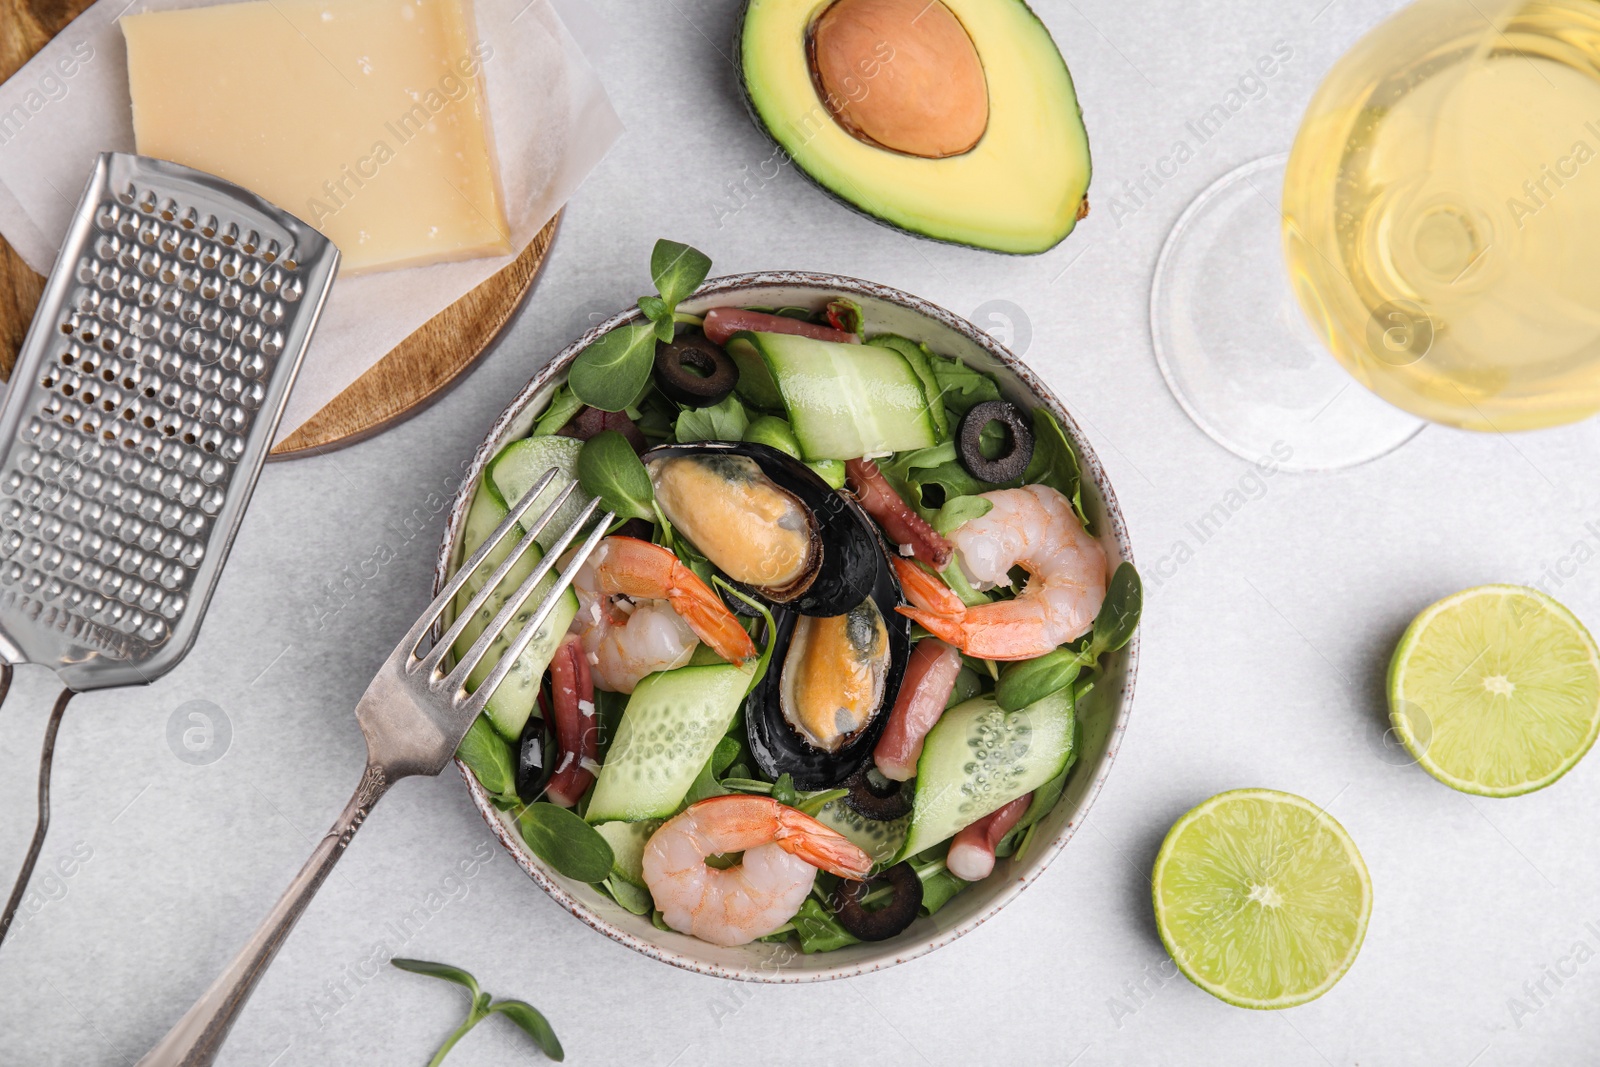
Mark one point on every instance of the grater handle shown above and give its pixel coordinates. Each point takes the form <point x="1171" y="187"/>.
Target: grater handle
<point x="197" y="1037"/>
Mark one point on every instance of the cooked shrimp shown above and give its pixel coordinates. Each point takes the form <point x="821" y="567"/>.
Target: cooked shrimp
<point x="640" y="610"/>
<point x="1033" y="528"/>
<point x="782" y="847"/>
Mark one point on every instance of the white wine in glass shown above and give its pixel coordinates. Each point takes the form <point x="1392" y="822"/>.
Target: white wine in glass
<point x="1440" y="217"/>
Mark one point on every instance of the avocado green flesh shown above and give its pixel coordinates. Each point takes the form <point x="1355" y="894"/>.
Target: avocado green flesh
<point x="1021" y="189"/>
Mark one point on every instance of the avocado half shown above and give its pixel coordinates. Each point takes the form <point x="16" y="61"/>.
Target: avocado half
<point x="1020" y="188"/>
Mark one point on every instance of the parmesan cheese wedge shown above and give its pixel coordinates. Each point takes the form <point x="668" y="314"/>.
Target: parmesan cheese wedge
<point x="366" y="118"/>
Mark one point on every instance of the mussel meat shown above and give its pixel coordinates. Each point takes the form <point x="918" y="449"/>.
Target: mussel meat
<point x="824" y="701"/>
<point x="768" y="522"/>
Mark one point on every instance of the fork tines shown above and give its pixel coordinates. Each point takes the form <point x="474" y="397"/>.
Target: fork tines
<point x="452" y="686"/>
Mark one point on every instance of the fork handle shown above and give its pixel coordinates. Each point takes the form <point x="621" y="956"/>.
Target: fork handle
<point x="194" y="1041"/>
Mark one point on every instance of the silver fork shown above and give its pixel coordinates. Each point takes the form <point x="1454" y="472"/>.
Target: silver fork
<point x="413" y="715"/>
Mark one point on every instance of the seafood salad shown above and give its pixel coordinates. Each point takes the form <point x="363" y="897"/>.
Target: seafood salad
<point x="826" y="668"/>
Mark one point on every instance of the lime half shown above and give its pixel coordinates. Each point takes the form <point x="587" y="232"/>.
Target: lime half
<point x="1261" y="898"/>
<point x="1496" y="690"/>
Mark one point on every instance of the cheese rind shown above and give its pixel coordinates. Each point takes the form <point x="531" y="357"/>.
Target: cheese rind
<point x="366" y="118"/>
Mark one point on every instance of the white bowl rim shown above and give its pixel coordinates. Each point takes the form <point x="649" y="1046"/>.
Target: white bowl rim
<point x="893" y="952"/>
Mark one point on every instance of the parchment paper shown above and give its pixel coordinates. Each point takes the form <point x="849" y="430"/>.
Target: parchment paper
<point x="552" y="124"/>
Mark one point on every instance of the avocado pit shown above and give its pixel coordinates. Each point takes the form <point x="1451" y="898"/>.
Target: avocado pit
<point x="900" y="74"/>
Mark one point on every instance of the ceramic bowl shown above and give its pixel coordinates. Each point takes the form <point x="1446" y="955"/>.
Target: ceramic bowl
<point x="1104" y="713"/>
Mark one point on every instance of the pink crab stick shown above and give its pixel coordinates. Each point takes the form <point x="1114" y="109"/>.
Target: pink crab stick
<point x="722" y="323"/>
<point x="930" y="675"/>
<point x="971" y="855"/>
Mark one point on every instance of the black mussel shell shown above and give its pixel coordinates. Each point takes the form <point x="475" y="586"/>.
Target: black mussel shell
<point x="777" y="747"/>
<point x="845" y="551"/>
<point x="905" y="897"/>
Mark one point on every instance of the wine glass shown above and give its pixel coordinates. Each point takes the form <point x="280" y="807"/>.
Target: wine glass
<point x="1439" y="214"/>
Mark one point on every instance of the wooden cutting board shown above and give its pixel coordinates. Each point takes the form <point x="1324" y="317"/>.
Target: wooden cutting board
<point x="419" y="370"/>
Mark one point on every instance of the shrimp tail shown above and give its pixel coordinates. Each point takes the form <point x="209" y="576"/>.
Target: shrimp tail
<point x="707" y="615"/>
<point x="640" y="569"/>
<point x="947" y="628"/>
<point x="1001" y="631"/>
<point x="800" y="835"/>
<point x="926" y="590"/>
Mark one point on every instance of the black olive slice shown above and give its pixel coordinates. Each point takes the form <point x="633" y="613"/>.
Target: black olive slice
<point x="876" y="797"/>
<point x="890" y="918"/>
<point x="693" y="371"/>
<point x="1015" y="453"/>
<point x="536" y="758"/>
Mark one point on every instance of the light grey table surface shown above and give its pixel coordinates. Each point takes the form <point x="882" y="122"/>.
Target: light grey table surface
<point x="1263" y="660"/>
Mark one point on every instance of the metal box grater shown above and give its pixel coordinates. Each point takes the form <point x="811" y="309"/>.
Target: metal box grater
<point x="143" y="404"/>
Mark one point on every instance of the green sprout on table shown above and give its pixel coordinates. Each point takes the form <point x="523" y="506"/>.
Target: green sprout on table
<point x="520" y="1012"/>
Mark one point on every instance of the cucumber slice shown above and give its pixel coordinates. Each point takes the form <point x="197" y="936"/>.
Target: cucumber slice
<point x="627" y="841"/>
<point x="843" y="401"/>
<point x="511" y="704"/>
<point x="878" y="838"/>
<point x="522" y="463"/>
<point x="979" y="757"/>
<point x="672" y="725"/>
<point x="918" y="359"/>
